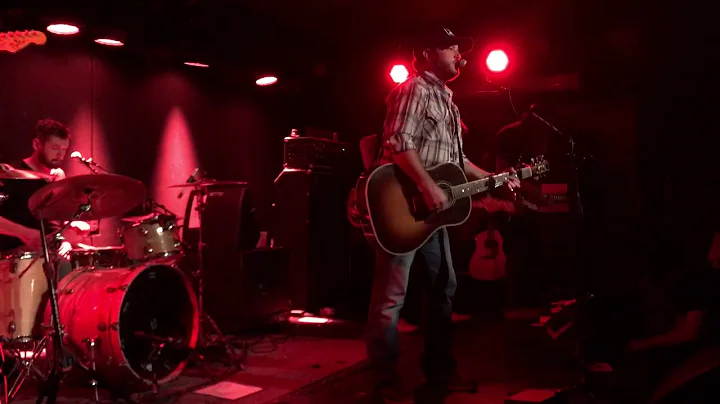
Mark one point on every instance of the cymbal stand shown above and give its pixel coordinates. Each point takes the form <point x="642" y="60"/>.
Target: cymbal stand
<point x="198" y="274"/>
<point x="4" y="398"/>
<point x="61" y="361"/>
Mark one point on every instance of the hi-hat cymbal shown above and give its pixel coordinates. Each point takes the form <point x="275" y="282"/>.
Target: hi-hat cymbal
<point x="206" y="183"/>
<point x="7" y="172"/>
<point x="109" y="194"/>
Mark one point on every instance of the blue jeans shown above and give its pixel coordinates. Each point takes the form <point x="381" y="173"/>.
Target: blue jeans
<point x="388" y="295"/>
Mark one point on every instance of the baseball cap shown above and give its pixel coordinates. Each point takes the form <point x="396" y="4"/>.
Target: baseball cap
<point x="441" y="38"/>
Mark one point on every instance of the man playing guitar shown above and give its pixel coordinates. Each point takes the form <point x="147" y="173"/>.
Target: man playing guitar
<point x="421" y="130"/>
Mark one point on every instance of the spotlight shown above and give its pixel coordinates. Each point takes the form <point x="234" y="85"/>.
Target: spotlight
<point x="109" y="42"/>
<point x="399" y="73"/>
<point x="63" y="29"/>
<point x="497" y="61"/>
<point x="266" y="81"/>
<point x="196" y="64"/>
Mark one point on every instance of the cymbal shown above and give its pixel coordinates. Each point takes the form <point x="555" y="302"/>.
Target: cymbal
<point x="109" y="194"/>
<point x="7" y="172"/>
<point x="135" y="219"/>
<point x="206" y="183"/>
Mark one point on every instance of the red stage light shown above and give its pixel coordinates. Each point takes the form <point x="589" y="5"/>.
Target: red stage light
<point x="109" y="42"/>
<point x="497" y="61"/>
<point x="196" y="64"/>
<point x="399" y="73"/>
<point x="63" y="29"/>
<point x="266" y="81"/>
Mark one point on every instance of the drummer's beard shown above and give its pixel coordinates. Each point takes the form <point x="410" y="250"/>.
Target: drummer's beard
<point x="47" y="162"/>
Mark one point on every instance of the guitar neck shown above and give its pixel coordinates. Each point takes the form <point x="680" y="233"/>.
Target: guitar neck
<point x="488" y="183"/>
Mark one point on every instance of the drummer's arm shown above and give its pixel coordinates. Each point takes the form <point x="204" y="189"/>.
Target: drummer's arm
<point x="10" y="228"/>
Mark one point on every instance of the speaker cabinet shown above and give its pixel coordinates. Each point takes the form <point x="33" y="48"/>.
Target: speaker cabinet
<point x="228" y="221"/>
<point x="243" y="290"/>
<point x="310" y="221"/>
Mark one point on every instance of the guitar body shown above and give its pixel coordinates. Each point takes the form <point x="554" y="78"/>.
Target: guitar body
<point x="391" y="211"/>
<point x="399" y="220"/>
<point x="488" y="261"/>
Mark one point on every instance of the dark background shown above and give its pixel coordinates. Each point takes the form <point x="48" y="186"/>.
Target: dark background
<point x="641" y="103"/>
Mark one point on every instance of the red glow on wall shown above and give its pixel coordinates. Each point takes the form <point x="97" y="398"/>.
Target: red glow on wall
<point x="109" y="42"/>
<point x="266" y="81"/>
<point x="497" y="61"/>
<point x="88" y="138"/>
<point x="63" y="29"/>
<point x="399" y="73"/>
<point x="175" y="162"/>
<point x="196" y="64"/>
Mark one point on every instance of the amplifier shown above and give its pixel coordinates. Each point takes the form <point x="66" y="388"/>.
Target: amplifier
<point x="307" y="153"/>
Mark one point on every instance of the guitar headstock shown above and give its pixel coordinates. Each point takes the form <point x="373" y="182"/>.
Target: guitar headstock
<point x="537" y="168"/>
<point x="16" y="40"/>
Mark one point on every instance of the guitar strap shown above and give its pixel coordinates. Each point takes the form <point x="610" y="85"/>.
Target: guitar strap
<point x="462" y="163"/>
<point x="458" y="133"/>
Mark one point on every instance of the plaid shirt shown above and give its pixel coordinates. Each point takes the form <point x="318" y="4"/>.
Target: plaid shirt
<point x="422" y="116"/>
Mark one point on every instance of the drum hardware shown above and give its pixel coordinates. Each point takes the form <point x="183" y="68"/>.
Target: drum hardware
<point x="153" y="360"/>
<point x="61" y="361"/>
<point x="200" y="192"/>
<point x="93" y="369"/>
<point x="4" y="398"/>
<point x="21" y="361"/>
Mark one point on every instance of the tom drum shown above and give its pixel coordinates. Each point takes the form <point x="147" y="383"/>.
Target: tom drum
<point x="156" y="237"/>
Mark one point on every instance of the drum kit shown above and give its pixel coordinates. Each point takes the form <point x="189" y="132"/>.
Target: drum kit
<point x="128" y="316"/>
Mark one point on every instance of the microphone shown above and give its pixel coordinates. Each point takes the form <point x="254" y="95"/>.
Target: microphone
<point x="190" y="180"/>
<point x="461" y="63"/>
<point x="87" y="161"/>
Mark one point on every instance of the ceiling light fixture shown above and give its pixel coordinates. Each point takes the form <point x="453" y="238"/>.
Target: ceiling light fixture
<point x="109" y="42"/>
<point x="63" y="29"/>
<point x="266" y="81"/>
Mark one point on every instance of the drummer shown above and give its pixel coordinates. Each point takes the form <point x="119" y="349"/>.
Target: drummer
<point x="18" y="228"/>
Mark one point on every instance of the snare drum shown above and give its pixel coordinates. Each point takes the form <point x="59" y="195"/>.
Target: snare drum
<point x="143" y="322"/>
<point x="99" y="257"/>
<point x="22" y="289"/>
<point x="156" y="237"/>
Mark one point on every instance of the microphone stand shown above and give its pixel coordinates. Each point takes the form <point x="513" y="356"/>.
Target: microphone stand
<point x="584" y="295"/>
<point x="90" y="164"/>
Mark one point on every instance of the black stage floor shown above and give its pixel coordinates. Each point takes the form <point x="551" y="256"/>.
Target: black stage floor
<point x="507" y="356"/>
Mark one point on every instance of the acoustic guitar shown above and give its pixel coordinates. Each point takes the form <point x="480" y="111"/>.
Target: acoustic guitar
<point x="16" y="40"/>
<point x="397" y="218"/>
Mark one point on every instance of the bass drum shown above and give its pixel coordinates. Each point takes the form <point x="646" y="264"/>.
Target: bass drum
<point x="128" y="313"/>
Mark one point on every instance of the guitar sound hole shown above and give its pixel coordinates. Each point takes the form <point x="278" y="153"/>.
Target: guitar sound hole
<point x="491" y="244"/>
